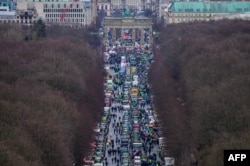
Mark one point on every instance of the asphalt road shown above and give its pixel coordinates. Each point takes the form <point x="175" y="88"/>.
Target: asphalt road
<point x="112" y="155"/>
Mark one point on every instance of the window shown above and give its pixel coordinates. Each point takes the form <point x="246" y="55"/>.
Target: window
<point x="239" y="9"/>
<point x="106" y="7"/>
<point x="58" y="6"/>
<point x="77" y="6"/>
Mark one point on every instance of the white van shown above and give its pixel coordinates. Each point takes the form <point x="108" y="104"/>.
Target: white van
<point x="126" y="107"/>
<point x="109" y="83"/>
<point x="169" y="161"/>
<point x="108" y="94"/>
<point x="135" y="77"/>
<point x="137" y="161"/>
<point x="162" y="142"/>
<point x="135" y="83"/>
<point x="106" y="108"/>
<point x="98" y="164"/>
<point x="123" y="58"/>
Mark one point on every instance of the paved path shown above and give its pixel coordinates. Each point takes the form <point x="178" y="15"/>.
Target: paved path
<point x="135" y="122"/>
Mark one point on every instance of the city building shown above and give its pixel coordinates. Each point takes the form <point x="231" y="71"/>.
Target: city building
<point x="69" y="12"/>
<point x="7" y="12"/>
<point x="105" y="6"/>
<point x="132" y="4"/>
<point x="63" y="12"/>
<point x="189" y="11"/>
<point x="163" y="4"/>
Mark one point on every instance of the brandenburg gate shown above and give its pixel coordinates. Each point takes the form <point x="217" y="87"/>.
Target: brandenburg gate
<point x="137" y="27"/>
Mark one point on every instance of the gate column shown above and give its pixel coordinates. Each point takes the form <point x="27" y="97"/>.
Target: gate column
<point x="150" y="35"/>
<point x="142" y="36"/>
<point x="122" y="33"/>
<point x="133" y="34"/>
<point x="114" y="34"/>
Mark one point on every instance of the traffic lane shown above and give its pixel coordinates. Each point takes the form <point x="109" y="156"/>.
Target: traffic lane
<point x="116" y="117"/>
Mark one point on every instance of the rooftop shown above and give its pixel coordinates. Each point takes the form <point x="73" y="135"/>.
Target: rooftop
<point x="213" y="6"/>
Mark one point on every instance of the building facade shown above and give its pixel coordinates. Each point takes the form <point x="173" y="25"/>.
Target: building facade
<point x="7" y="12"/>
<point x="63" y="12"/>
<point x="133" y="4"/>
<point x="183" y="11"/>
<point x="121" y="25"/>
<point x="163" y="4"/>
<point x="104" y="5"/>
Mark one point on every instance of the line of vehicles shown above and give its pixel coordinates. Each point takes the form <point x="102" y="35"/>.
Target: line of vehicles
<point x="129" y="133"/>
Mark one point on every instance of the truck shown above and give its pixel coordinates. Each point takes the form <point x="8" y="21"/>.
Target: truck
<point x="162" y="142"/>
<point x="135" y="77"/>
<point x="134" y="91"/>
<point x="133" y="70"/>
<point x="169" y="161"/>
<point x="109" y="84"/>
<point x="98" y="164"/>
<point x="128" y="69"/>
<point x="122" y="70"/>
<point x="123" y="59"/>
<point x="106" y="57"/>
<point x="135" y="81"/>
<point x="107" y="69"/>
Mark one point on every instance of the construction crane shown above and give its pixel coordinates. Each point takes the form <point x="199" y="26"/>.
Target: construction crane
<point x="67" y="9"/>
